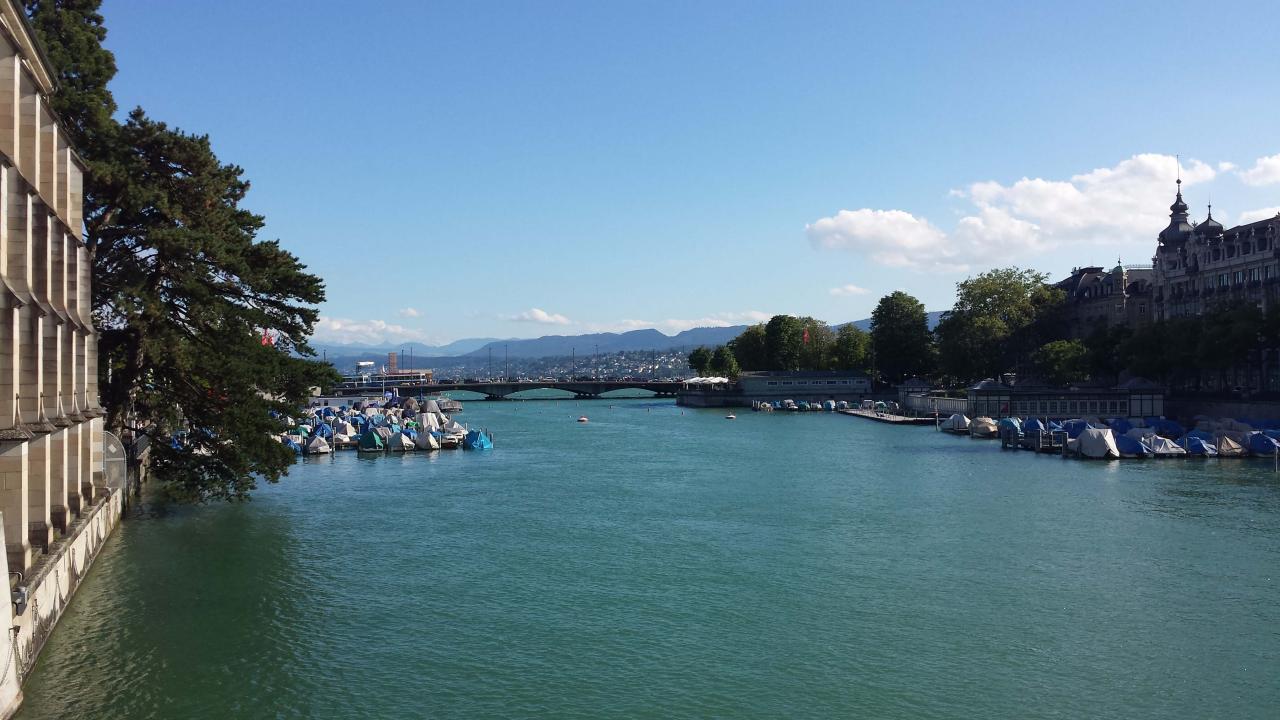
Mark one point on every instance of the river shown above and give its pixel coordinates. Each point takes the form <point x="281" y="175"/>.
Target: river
<point x="660" y="562"/>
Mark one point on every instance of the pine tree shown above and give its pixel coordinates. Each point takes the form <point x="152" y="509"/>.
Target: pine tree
<point x="184" y="291"/>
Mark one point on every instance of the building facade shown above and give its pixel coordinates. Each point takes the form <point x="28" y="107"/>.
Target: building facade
<point x="1098" y="298"/>
<point x="1198" y="266"/>
<point x="55" y="505"/>
<point x="50" y="420"/>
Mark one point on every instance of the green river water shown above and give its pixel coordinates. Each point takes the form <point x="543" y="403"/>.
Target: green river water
<point x="660" y="563"/>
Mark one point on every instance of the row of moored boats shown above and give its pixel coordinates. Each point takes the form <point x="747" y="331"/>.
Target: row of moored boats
<point x="1126" y="437"/>
<point x="398" y="425"/>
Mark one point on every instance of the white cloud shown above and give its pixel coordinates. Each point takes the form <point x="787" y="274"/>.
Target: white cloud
<point x="1249" y="216"/>
<point x="851" y="289"/>
<point x="1265" y="171"/>
<point x="540" y="316"/>
<point x="1225" y="166"/>
<point x="891" y="237"/>
<point x="408" y="312"/>
<point x="1123" y="204"/>
<point x="368" y="332"/>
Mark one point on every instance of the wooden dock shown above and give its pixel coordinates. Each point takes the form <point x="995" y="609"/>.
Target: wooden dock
<point x="888" y="418"/>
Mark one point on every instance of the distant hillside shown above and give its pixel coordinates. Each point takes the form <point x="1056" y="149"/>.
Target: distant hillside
<point x="933" y="317"/>
<point x="550" y="345"/>
<point x="583" y="345"/>
<point x="457" y="347"/>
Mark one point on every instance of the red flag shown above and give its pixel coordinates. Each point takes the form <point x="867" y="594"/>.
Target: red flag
<point x="806" y="336"/>
<point x="265" y="340"/>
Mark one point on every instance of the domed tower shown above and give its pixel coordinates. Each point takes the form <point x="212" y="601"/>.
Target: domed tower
<point x="1174" y="236"/>
<point x="1210" y="229"/>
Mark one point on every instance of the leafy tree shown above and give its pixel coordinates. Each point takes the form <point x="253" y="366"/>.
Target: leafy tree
<point x="900" y="338"/>
<point x="183" y="288"/>
<point x="751" y="348"/>
<point x="1105" y="351"/>
<point x="723" y="362"/>
<point x="852" y="348"/>
<point x="1061" y="362"/>
<point x="700" y="360"/>
<point x="999" y="317"/>
<point x="817" y="345"/>
<point x="784" y="336"/>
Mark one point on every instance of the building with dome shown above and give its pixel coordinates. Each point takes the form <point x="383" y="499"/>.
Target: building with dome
<point x="1198" y="266"/>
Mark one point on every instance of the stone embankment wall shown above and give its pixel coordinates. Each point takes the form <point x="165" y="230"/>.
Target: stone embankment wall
<point x="49" y="589"/>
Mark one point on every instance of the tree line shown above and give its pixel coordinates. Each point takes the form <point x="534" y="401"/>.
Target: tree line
<point x="1006" y="320"/>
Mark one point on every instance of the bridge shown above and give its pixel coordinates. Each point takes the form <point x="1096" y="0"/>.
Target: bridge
<point x="582" y="389"/>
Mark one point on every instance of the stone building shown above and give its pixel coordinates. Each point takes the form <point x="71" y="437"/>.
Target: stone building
<point x="1100" y="298"/>
<point x="55" y="504"/>
<point x="1201" y="265"/>
<point x="50" y="421"/>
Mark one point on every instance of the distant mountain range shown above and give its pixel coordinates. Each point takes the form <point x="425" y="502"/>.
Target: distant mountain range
<point x="560" y="345"/>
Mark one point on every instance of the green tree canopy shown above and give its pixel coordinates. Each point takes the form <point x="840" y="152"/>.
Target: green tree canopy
<point x="852" y="349"/>
<point x="900" y="338"/>
<point x="1061" y="362"/>
<point x="700" y="360"/>
<point x="999" y="317"/>
<point x="723" y="363"/>
<point x="183" y="288"/>
<point x="784" y="336"/>
<point x="751" y="348"/>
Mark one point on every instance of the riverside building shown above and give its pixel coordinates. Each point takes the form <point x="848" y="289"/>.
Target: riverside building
<point x="1199" y="266"/>
<point x="55" y="505"/>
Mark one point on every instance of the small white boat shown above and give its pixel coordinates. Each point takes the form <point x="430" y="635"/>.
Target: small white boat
<point x="582" y="419"/>
<point x="730" y="416"/>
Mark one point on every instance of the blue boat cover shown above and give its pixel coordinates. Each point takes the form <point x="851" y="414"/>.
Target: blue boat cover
<point x="1167" y="428"/>
<point x="1201" y="434"/>
<point x="1259" y="444"/>
<point x="1033" y="425"/>
<point x="1120" y="426"/>
<point x="1074" y="428"/>
<point x="1011" y="424"/>
<point x="289" y="443"/>
<point x="477" y="440"/>
<point x="1129" y="446"/>
<point x="324" y="430"/>
<point x="1196" y="446"/>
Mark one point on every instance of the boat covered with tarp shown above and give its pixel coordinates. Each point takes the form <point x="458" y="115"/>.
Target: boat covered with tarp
<point x="318" y="446"/>
<point x="956" y="424"/>
<point x="1229" y="448"/>
<point x="983" y="427"/>
<point x="1097" y="443"/>
<point x="1258" y="443"/>
<point x="371" y="441"/>
<point x="477" y="440"/>
<point x="1129" y="447"/>
<point x="1197" y="446"/>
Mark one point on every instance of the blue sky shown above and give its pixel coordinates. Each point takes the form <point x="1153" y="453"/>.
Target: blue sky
<point x="520" y="169"/>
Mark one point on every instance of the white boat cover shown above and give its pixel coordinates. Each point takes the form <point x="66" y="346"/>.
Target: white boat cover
<point x="383" y="432"/>
<point x="1229" y="448"/>
<point x="400" y="443"/>
<point x="432" y="407"/>
<point x="317" y="446"/>
<point x="341" y="437"/>
<point x="1098" y="443"/>
<point x="983" y="427"/>
<point x="956" y="422"/>
<point x="426" y="441"/>
<point x="1163" y="447"/>
<point x="428" y="421"/>
<point x="344" y="428"/>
